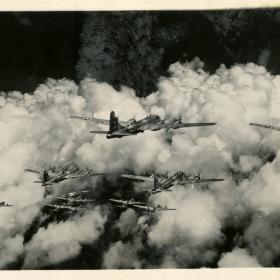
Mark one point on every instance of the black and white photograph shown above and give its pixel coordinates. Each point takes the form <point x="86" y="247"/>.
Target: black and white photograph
<point x="140" y="139"/>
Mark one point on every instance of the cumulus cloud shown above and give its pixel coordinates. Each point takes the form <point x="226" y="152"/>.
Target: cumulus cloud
<point x="261" y="237"/>
<point x="122" y="255"/>
<point x="60" y="241"/>
<point x="11" y="248"/>
<point x="36" y="131"/>
<point x="197" y="218"/>
<point x="238" y="258"/>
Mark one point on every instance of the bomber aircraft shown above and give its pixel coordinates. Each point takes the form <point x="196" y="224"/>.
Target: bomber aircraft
<point x="118" y="129"/>
<point x="63" y="207"/>
<point x="4" y="204"/>
<point x="56" y="175"/>
<point x="163" y="183"/>
<point x="75" y="197"/>
<point x="140" y="206"/>
<point x="266" y="126"/>
<point x="126" y="203"/>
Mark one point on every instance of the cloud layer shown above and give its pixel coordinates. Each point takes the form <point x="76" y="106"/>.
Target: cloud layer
<point x="36" y="131"/>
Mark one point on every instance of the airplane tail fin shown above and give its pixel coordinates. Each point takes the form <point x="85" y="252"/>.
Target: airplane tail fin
<point x="197" y="176"/>
<point x="114" y="122"/>
<point x="156" y="182"/>
<point x="46" y="176"/>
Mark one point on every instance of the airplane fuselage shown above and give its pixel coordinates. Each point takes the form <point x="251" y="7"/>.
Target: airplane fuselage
<point x="53" y="181"/>
<point x="147" y="208"/>
<point x="134" y="127"/>
<point x="166" y="184"/>
<point x="179" y="178"/>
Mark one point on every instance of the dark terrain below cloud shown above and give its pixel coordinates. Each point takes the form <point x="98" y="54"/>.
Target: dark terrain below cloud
<point x="130" y="48"/>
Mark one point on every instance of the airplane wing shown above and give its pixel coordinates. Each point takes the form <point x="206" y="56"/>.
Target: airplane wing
<point x="96" y="120"/>
<point x="69" y="207"/>
<point x="116" y="200"/>
<point x="181" y="124"/>
<point x="167" y="125"/>
<point x="210" y="180"/>
<point x="266" y="126"/>
<point x="115" y="133"/>
<point x="134" y="202"/>
<point x="83" y="175"/>
<point x="84" y="200"/>
<point x="197" y="181"/>
<point x="142" y="207"/>
<point x="142" y="178"/>
<point x="122" y="132"/>
<point x="128" y="203"/>
<point x="151" y="208"/>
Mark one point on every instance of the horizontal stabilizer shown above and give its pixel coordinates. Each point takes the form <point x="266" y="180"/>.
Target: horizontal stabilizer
<point x="84" y="200"/>
<point x="37" y="181"/>
<point x="33" y="171"/>
<point x="99" y="132"/>
<point x="100" y="121"/>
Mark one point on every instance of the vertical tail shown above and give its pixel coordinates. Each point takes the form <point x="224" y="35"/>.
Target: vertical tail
<point x="156" y="182"/>
<point x="46" y="176"/>
<point x="114" y="122"/>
